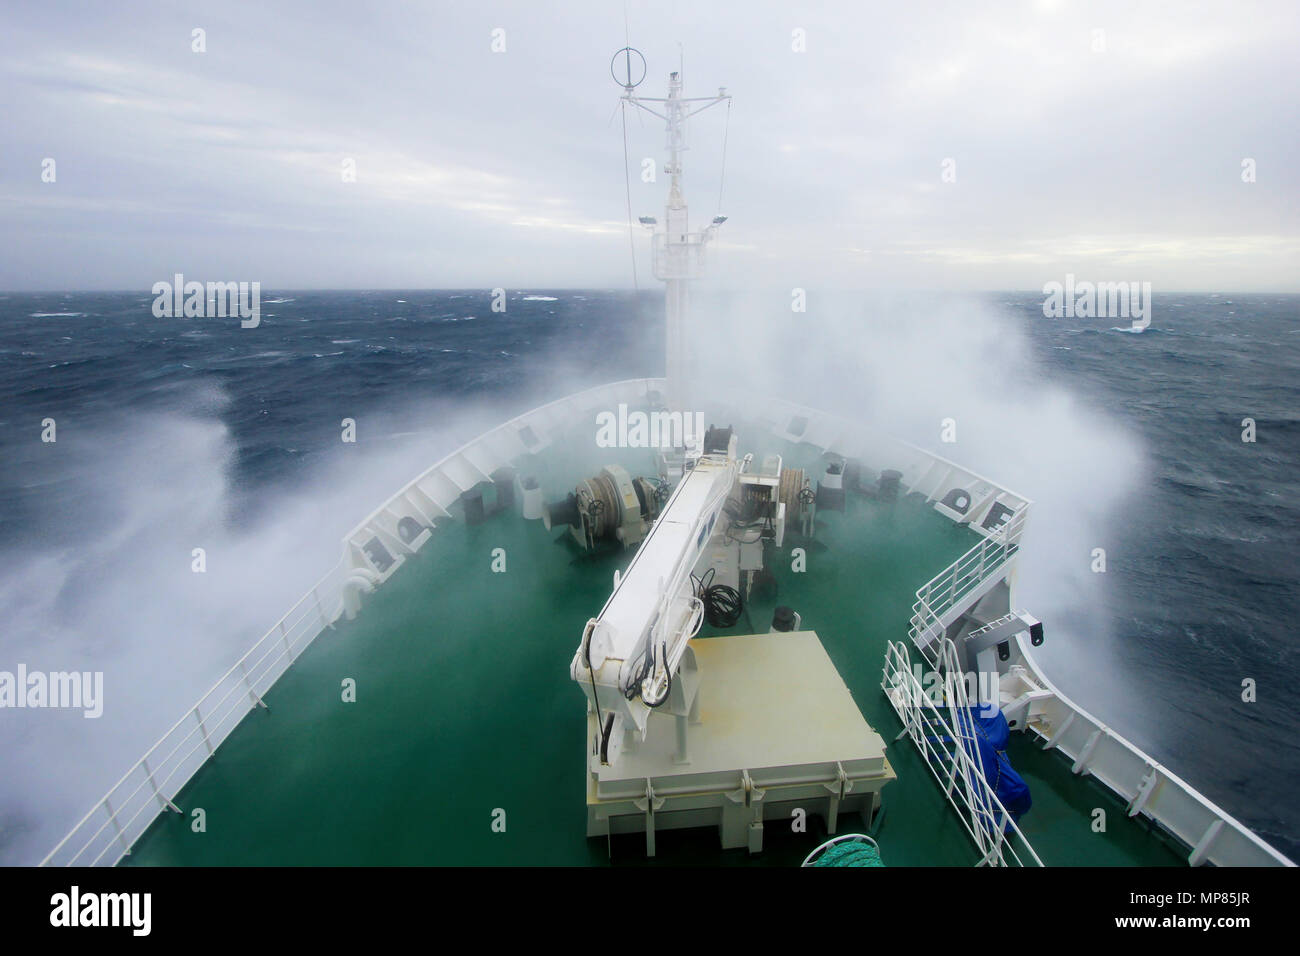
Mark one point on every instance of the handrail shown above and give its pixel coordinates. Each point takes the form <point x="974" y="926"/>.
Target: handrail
<point x="1147" y="787"/>
<point x="949" y="754"/>
<point x="202" y="728"/>
<point x="946" y="590"/>
<point x="646" y="383"/>
<point x="150" y="786"/>
<point x="856" y="432"/>
<point x="153" y="774"/>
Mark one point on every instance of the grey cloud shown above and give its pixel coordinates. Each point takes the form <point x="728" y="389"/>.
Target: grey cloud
<point x="477" y="168"/>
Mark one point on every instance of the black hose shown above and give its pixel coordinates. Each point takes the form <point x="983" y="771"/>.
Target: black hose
<point x="667" y="690"/>
<point x="722" y="603"/>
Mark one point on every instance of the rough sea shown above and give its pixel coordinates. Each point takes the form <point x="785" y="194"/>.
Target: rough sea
<point x="232" y="436"/>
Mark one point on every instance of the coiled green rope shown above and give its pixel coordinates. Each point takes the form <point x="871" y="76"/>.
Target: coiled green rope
<point x="855" y="853"/>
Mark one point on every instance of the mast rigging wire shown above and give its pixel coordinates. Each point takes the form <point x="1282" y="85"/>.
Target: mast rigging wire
<point x="627" y="182"/>
<point x="726" y="128"/>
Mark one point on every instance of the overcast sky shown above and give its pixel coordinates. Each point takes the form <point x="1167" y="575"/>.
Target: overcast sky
<point x="483" y="169"/>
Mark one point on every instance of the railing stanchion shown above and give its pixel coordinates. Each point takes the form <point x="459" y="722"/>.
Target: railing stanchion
<point x="165" y="803"/>
<point x="112" y="815"/>
<point x="320" y="610"/>
<point x="944" y="737"/>
<point x="203" y="728"/>
<point x="252" y="696"/>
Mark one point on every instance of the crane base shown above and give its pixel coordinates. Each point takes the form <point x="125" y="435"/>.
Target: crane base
<point x="778" y="733"/>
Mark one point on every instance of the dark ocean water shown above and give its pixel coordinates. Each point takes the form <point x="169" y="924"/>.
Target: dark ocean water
<point x="1203" y="570"/>
<point x="89" y="357"/>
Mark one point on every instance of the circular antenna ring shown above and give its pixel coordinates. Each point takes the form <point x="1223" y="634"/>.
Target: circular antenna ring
<point x="625" y="70"/>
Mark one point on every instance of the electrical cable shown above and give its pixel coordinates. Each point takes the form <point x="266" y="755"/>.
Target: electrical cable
<point x="667" y="690"/>
<point x="586" y="654"/>
<point x="722" y="603"/>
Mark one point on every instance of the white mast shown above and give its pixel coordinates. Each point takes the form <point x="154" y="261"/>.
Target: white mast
<point x="678" y="253"/>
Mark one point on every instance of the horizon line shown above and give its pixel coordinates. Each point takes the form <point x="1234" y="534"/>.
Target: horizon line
<point x="638" y="290"/>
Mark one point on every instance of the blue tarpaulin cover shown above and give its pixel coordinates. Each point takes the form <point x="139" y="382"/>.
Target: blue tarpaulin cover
<point x="991" y="734"/>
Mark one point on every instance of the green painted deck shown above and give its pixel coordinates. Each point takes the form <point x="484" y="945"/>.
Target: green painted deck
<point x="464" y="705"/>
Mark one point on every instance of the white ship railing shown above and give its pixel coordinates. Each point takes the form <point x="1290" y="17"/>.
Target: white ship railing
<point x="922" y="472"/>
<point x="432" y="494"/>
<point x="150" y="787"/>
<point x="954" y="589"/>
<point x="941" y="730"/>
<point x="1148" y="788"/>
<point x="106" y="833"/>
